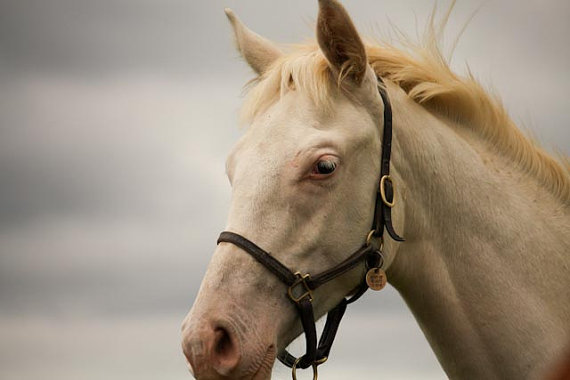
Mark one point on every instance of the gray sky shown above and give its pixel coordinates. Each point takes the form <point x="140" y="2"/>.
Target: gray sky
<point x="116" y="117"/>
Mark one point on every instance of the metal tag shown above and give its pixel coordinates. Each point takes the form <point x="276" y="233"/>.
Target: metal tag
<point x="376" y="279"/>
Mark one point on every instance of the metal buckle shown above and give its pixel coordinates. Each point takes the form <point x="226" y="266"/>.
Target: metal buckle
<point x="306" y="291"/>
<point x="315" y="371"/>
<point x="383" y="193"/>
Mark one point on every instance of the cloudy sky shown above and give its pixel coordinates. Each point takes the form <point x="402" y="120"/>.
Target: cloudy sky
<point x="115" y="119"/>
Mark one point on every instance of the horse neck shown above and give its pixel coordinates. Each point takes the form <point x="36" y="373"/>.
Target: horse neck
<point x="485" y="265"/>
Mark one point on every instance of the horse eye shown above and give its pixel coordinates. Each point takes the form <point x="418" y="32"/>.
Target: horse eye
<point x="324" y="167"/>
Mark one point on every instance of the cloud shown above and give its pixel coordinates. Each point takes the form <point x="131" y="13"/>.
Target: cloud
<point x="110" y="186"/>
<point x="91" y="348"/>
<point x="89" y="37"/>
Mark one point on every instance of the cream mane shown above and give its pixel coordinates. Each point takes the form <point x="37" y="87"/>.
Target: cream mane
<point x="424" y="74"/>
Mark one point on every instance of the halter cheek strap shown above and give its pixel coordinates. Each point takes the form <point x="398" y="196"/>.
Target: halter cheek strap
<point x="300" y="286"/>
<point x="385" y="193"/>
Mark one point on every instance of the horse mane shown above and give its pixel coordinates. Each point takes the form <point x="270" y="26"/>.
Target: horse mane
<point x="424" y="74"/>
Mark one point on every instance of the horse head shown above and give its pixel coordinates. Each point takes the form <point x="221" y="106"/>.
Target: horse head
<point x="304" y="179"/>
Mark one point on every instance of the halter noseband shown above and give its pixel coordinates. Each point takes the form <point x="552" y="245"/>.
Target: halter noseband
<point x="300" y="286"/>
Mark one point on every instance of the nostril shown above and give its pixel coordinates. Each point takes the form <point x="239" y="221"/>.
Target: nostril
<point x="223" y="341"/>
<point x="226" y="353"/>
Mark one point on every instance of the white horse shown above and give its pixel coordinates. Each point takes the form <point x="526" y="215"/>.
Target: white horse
<point x="485" y="267"/>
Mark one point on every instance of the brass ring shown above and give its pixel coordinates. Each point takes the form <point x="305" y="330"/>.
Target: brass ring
<point x="294" y="369"/>
<point x="369" y="237"/>
<point x="369" y="240"/>
<point x="321" y="360"/>
<point x="383" y="193"/>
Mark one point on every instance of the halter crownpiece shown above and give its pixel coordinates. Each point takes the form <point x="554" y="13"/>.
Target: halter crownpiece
<point x="300" y="286"/>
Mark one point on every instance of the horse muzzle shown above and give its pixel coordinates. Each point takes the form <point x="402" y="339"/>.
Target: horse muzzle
<point x="221" y="348"/>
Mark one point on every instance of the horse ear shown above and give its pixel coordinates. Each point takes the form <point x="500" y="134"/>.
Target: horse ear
<point x="258" y="52"/>
<point x="340" y="42"/>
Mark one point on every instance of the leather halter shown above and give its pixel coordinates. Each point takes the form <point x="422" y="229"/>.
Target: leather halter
<point x="300" y="286"/>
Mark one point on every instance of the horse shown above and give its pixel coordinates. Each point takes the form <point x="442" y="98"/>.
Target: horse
<point x="485" y="213"/>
